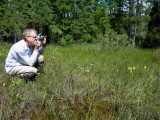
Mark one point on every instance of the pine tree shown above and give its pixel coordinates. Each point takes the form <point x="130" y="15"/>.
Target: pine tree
<point x="13" y="19"/>
<point x="40" y="15"/>
<point x="153" y="36"/>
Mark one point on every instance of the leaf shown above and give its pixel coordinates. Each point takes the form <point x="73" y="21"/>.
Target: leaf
<point x="56" y="29"/>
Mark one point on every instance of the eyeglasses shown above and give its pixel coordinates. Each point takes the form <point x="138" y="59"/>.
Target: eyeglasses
<point x="33" y="37"/>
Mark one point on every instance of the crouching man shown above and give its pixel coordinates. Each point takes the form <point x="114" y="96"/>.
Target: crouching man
<point x="25" y="56"/>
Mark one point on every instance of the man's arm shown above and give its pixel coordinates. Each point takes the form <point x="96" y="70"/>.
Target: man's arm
<point x="42" y="48"/>
<point x="23" y="58"/>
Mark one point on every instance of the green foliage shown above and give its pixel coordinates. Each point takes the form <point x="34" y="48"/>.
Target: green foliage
<point x="80" y="21"/>
<point x="40" y="13"/>
<point x="55" y="29"/>
<point x="69" y="39"/>
<point x="62" y="41"/>
<point x="153" y="36"/>
<point x="13" y="18"/>
<point x="134" y="28"/>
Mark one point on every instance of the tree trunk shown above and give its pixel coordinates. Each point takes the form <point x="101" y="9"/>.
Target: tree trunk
<point x="131" y="7"/>
<point x="15" y="37"/>
<point x="134" y="37"/>
<point x="137" y="8"/>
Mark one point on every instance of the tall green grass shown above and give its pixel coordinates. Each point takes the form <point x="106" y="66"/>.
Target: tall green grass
<point x="90" y="82"/>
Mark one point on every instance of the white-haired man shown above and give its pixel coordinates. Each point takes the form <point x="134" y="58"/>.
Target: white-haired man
<point x="25" y="54"/>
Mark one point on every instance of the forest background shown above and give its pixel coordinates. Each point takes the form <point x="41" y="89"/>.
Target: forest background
<point x="125" y="22"/>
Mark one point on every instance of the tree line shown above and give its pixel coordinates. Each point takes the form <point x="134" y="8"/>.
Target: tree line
<point x="125" y="22"/>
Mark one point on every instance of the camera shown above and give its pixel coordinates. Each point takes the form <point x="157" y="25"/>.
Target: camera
<point x="40" y="37"/>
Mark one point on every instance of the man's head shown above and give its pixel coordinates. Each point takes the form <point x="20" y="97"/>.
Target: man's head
<point x="29" y="35"/>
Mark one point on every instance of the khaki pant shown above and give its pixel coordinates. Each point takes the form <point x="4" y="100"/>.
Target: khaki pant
<point x="18" y="70"/>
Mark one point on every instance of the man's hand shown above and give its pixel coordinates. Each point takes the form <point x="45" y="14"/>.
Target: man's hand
<point x="44" y="41"/>
<point x="36" y="48"/>
<point x="37" y="45"/>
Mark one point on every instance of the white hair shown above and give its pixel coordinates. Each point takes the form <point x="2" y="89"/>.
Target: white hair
<point x="27" y="32"/>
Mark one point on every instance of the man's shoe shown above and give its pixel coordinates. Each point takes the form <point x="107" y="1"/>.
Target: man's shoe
<point x="29" y="76"/>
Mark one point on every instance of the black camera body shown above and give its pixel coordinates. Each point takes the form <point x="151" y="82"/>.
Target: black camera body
<point x="40" y="37"/>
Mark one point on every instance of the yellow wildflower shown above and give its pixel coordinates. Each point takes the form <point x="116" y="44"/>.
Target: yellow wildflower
<point x="134" y="68"/>
<point x="117" y="70"/>
<point x="130" y="68"/>
<point x="145" y="67"/>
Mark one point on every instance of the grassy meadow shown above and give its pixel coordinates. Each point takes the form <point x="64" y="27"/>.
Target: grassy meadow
<point x="85" y="82"/>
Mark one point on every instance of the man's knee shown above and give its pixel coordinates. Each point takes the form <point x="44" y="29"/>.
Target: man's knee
<point x="41" y="58"/>
<point x="34" y="70"/>
<point x="40" y="61"/>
